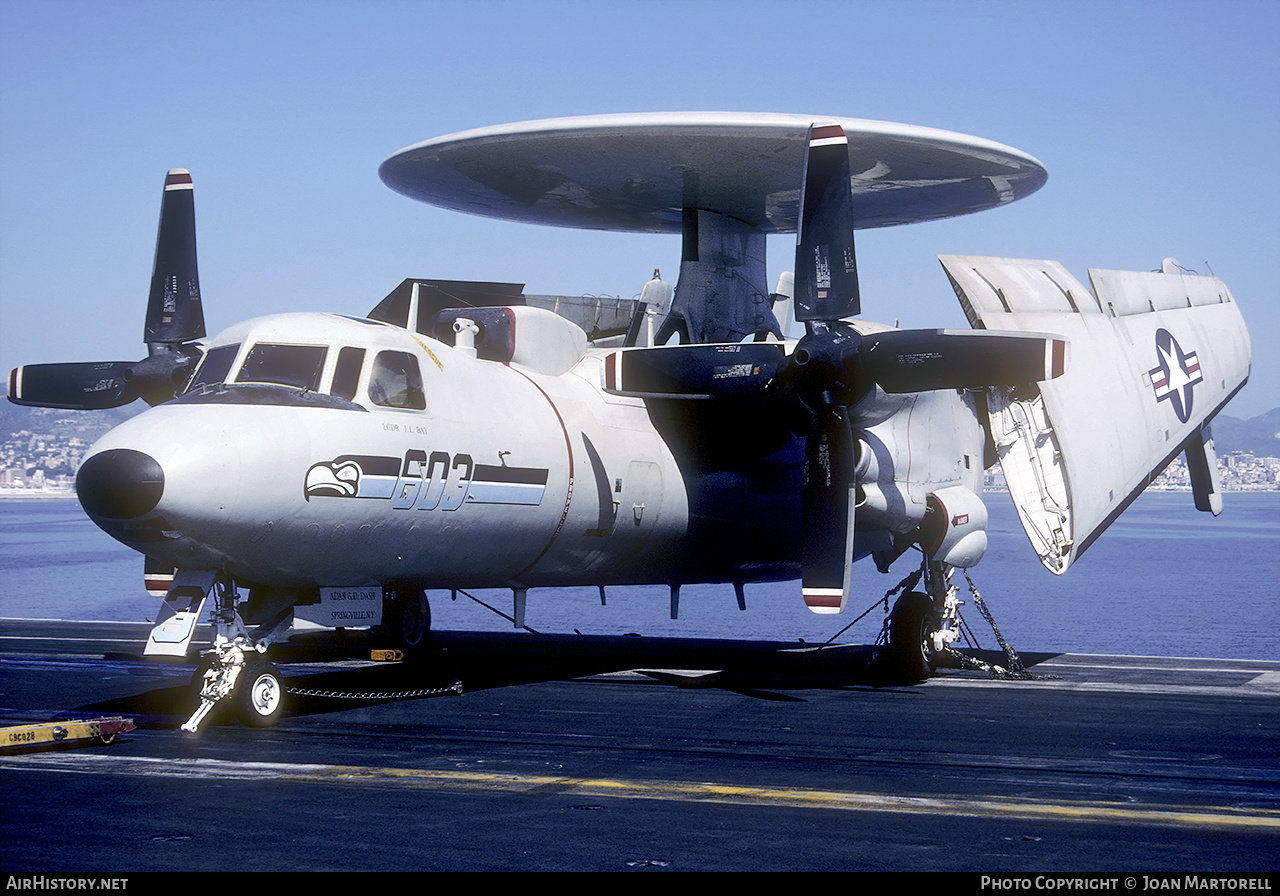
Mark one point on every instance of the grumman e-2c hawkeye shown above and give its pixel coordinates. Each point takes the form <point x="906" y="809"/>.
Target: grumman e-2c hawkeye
<point x="465" y="435"/>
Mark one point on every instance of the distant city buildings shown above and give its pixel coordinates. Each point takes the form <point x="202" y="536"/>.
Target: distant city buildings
<point x="45" y="461"/>
<point x="1238" y="471"/>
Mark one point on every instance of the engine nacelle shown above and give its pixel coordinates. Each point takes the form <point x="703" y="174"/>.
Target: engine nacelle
<point x="954" y="529"/>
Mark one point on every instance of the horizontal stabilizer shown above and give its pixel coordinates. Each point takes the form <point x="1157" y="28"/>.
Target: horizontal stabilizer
<point x="416" y="303"/>
<point x="1154" y="357"/>
<point x="598" y="316"/>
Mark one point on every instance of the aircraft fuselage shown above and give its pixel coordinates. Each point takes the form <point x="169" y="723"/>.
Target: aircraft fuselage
<point x="484" y="474"/>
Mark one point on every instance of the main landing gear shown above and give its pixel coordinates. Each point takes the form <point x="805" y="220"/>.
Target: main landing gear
<point x="923" y="624"/>
<point x="913" y="628"/>
<point x="406" y="617"/>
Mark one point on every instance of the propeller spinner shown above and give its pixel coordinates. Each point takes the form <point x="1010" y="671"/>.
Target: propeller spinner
<point x="174" y="318"/>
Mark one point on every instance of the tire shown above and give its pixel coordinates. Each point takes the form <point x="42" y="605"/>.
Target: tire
<point x="259" y="696"/>
<point x="409" y="622"/>
<point x="911" y="629"/>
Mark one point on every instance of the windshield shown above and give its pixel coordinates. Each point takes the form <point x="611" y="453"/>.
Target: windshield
<point x="299" y="366"/>
<point x="213" y="370"/>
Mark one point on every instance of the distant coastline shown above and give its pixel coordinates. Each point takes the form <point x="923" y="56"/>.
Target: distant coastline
<point x="34" y="494"/>
<point x="41" y="450"/>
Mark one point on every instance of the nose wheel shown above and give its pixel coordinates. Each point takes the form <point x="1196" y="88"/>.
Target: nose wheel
<point x="260" y="695"/>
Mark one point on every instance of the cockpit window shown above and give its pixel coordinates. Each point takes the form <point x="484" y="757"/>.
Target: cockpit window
<point x="346" y="374"/>
<point x="396" y="381"/>
<point x="298" y="366"/>
<point x="213" y="370"/>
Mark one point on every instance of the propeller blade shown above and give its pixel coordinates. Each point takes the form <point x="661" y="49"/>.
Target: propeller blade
<point x="96" y="385"/>
<point x="174" y="312"/>
<point x="826" y="275"/>
<point x="924" y="360"/>
<point x="730" y="370"/>
<point x="828" y="511"/>
<point x="85" y="386"/>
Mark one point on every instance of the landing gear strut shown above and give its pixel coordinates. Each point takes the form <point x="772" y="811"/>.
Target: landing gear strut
<point x="235" y="667"/>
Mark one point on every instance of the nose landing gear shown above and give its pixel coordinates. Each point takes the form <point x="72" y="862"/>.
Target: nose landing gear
<point x="235" y="669"/>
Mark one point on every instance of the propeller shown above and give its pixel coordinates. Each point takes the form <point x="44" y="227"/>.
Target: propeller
<point x="833" y="366"/>
<point x="174" y="318"/>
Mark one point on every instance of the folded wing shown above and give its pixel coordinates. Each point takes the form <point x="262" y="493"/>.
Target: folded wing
<point x="1154" y="356"/>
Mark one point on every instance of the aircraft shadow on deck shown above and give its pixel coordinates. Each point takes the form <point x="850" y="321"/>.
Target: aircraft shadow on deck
<point x="320" y="679"/>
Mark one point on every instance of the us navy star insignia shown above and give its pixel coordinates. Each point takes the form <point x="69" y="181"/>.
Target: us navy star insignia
<point x="1175" y="374"/>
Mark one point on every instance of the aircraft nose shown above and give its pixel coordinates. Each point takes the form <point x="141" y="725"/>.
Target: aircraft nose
<point x="120" y="484"/>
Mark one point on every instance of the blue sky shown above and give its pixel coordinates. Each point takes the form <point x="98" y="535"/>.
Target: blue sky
<point x="1158" y="123"/>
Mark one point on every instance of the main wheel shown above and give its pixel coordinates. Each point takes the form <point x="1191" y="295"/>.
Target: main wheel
<point x="259" y="694"/>
<point x="911" y="629"/>
<point x="408" y="621"/>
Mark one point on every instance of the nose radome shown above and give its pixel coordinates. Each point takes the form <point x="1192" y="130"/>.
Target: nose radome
<point x="119" y="484"/>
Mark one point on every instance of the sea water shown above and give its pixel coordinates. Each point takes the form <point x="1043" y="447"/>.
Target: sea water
<point x="1164" y="580"/>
